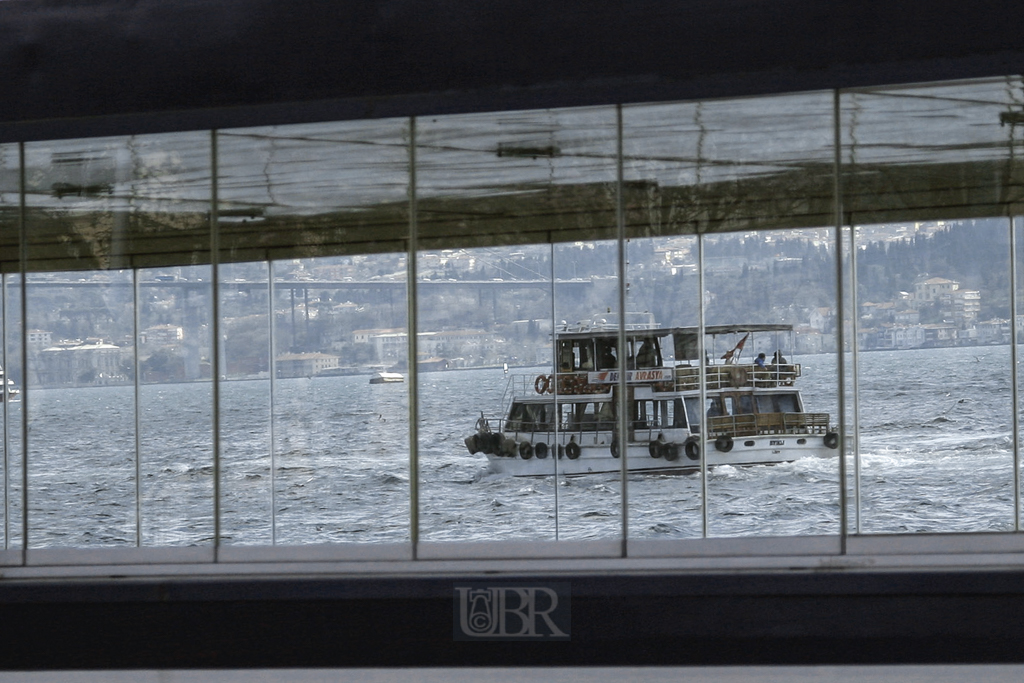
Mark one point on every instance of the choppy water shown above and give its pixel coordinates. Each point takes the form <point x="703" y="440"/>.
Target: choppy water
<point x="936" y="455"/>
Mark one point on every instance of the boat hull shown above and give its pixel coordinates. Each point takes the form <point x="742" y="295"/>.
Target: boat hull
<point x="597" y="458"/>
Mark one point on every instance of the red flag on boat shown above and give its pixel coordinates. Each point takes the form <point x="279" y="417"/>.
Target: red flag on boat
<point x="733" y="356"/>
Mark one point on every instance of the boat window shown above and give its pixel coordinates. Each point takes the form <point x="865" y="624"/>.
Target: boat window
<point x="778" y="403"/>
<point x="575" y="355"/>
<point x="713" y="407"/>
<point x="584" y="356"/>
<point x="606" y="354"/>
<point x="743" y="405"/>
<point x="566" y="362"/>
<point x="546" y="416"/>
<point x="647" y="353"/>
<point x="787" y="403"/>
<point x="516" y="415"/>
<point x="729" y="404"/>
<point x="591" y="416"/>
<point x="695" y="413"/>
<point x="530" y="417"/>
<point x="652" y="414"/>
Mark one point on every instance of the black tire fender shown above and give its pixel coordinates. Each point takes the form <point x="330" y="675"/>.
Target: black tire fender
<point x="692" y="447"/>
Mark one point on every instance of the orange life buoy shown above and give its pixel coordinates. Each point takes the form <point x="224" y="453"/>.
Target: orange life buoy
<point x="542" y="384"/>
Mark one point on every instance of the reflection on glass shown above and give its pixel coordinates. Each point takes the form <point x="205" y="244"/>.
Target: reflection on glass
<point x="728" y="165"/>
<point x="322" y="454"/>
<point x="500" y="180"/>
<point x="933" y="297"/>
<point x="94" y="210"/>
<point x="720" y="166"/>
<point x="526" y="381"/>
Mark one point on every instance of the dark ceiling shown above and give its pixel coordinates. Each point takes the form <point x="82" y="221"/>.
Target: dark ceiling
<point x="154" y="65"/>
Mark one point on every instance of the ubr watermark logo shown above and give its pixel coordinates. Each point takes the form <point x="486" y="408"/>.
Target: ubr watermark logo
<point x="512" y="611"/>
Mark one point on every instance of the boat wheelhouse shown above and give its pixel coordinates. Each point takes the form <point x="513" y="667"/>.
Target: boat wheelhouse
<point x="752" y="412"/>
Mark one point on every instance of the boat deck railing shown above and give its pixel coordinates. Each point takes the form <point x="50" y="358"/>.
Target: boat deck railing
<point x="755" y="424"/>
<point x="685" y="378"/>
<point x="751" y="376"/>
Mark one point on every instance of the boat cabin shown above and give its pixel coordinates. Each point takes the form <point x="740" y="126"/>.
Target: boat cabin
<point x="663" y="383"/>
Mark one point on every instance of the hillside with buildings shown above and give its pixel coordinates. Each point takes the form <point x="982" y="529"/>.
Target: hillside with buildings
<point x="917" y="286"/>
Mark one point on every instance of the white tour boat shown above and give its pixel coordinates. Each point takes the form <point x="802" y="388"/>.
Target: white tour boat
<point x="566" y="422"/>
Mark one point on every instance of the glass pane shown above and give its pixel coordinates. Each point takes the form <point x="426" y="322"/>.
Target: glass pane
<point x="10" y="365"/>
<point x="341" y="425"/>
<point x="245" y="439"/>
<point x="665" y="494"/>
<point x="323" y="456"/>
<point x="175" y="346"/>
<point x="92" y="206"/>
<point x="587" y="281"/>
<point x="483" y="342"/>
<point x="1016" y="335"/>
<point x="772" y="384"/>
<point x="933" y="296"/>
<point x="935" y="397"/>
<point x="509" y="178"/>
<point x="718" y="166"/>
<point x="14" y="375"/>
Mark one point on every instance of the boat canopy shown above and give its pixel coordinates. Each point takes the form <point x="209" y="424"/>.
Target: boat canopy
<point x="595" y="349"/>
<point x="712" y="330"/>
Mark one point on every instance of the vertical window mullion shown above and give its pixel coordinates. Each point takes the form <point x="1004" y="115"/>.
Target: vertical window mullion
<point x="624" y="418"/>
<point x="7" y="427"/>
<point x="703" y="382"/>
<point x="554" y="373"/>
<point x="23" y="303"/>
<point x="837" y="200"/>
<point x="271" y="293"/>
<point x="215" y="340"/>
<point x="411" y="326"/>
<point x="1013" y="376"/>
<point x="138" y="405"/>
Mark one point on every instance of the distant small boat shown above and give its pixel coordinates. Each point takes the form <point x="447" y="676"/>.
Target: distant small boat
<point x="12" y="392"/>
<point x="387" y="378"/>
